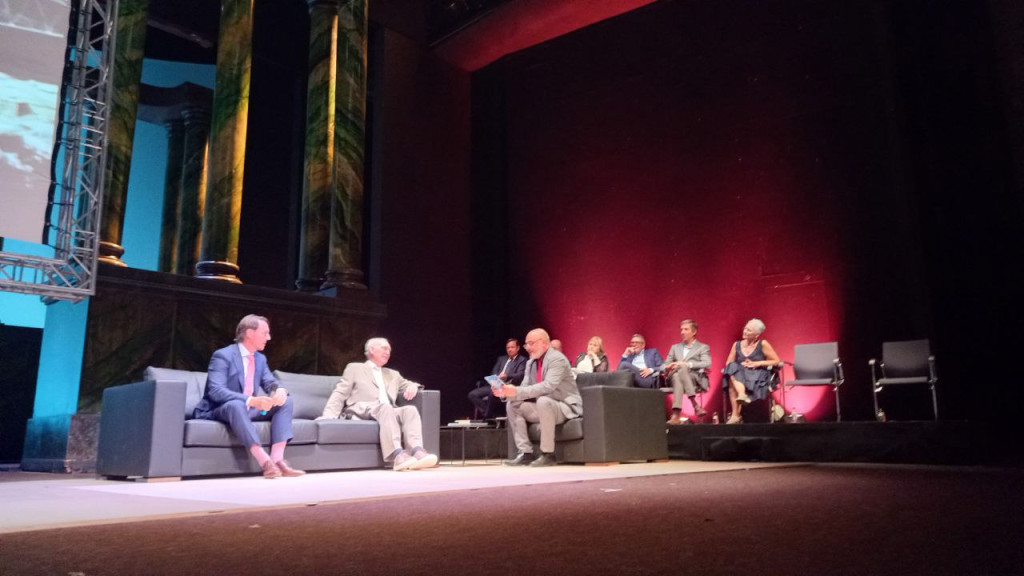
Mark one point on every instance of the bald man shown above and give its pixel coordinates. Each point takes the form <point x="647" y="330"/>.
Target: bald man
<point x="548" y="395"/>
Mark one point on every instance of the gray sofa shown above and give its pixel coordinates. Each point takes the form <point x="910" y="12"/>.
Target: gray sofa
<point x="620" y="423"/>
<point x="147" y="430"/>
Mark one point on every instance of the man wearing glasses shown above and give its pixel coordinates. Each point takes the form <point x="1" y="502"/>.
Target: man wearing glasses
<point x="548" y="395"/>
<point x="643" y="362"/>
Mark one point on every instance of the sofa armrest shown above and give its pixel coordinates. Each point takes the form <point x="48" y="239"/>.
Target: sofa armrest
<point x="428" y="402"/>
<point x="622" y="424"/>
<point x="142" y="429"/>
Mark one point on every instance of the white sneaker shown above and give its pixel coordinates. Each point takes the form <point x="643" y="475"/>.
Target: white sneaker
<point x="424" y="460"/>
<point x="404" y="461"/>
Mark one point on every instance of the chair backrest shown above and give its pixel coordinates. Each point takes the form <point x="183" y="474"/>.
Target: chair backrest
<point x="309" y="392"/>
<point x="195" y="384"/>
<point x="906" y="358"/>
<point x="616" y="378"/>
<point x="813" y="361"/>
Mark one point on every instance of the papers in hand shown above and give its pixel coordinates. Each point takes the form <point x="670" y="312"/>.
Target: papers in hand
<point x="494" y="381"/>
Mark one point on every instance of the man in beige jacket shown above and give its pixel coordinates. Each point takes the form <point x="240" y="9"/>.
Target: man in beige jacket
<point x="368" y="390"/>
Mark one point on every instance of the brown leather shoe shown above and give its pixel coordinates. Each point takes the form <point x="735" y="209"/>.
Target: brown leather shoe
<point x="270" y="470"/>
<point x="674" y="420"/>
<point x="287" y="470"/>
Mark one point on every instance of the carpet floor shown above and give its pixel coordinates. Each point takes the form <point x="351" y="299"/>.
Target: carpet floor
<point x="825" y="519"/>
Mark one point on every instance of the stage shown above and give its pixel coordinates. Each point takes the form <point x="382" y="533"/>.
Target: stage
<point x="657" y="518"/>
<point x="38" y="501"/>
<point x="949" y="443"/>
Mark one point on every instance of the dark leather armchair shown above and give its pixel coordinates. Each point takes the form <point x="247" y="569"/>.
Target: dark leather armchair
<point x="620" y="423"/>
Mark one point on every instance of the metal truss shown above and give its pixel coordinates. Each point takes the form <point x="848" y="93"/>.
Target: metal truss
<point x="76" y="201"/>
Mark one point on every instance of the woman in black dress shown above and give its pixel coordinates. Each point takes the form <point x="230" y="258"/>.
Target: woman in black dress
<point x="748" y="369"/>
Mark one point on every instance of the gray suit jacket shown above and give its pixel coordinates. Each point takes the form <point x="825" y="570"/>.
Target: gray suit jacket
<point x="357" y="394"/>
<point x="699" y="358"/>
<point x="556" y="382"/>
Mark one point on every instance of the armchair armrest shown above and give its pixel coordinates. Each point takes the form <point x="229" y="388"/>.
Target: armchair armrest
<point x="933" y="373"/>
<point x="142" y="428"/>
<point x="428" y="402"/>
<point x="621" y="424"/>
<point x="838" y="372"/>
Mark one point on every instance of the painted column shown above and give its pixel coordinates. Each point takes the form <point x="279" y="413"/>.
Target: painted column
<point x="318" y="183"/>
<point x="172" y="195"/>
<point x="128" y="53"/>
<point x="218" y="256"/>
<point x="193" y="188"/>
<point x="346" y="227"/>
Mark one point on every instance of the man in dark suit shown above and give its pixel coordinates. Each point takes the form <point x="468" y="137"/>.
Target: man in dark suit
<point x="548" y="396"/>
<point x="643" y="362"/>
<point x="509" y="368"/>
<point x="240" y="389"/>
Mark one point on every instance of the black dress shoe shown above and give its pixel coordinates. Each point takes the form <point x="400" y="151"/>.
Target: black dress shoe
<point x="523" y="459"/>
<point x="544" y="460"/>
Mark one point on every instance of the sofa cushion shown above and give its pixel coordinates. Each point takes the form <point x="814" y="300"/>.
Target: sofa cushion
<point x="309" y="392"/>
<point x="347" y="431"/>
<point x="195" y="384"/>
<point x="568" y="430"/>
<point x="200" y="432"/>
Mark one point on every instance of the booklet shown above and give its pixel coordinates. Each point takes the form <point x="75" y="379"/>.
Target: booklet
<point x="494" y="381"/>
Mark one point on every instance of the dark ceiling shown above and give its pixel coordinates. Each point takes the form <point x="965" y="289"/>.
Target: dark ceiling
<point x="186" y="30"/>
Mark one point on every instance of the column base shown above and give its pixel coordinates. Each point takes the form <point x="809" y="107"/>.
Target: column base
<point x="217" y="270"/>
<point x="62" y="444"/>
<point x="111" y="253"/>
<point x="308" y="285"/>
<point x="348" y="278"/>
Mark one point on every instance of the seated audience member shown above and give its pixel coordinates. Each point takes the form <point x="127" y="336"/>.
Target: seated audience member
<point x="643" y="362"/>
<point x="548" y="395"/>
<point x="510" y="367"/>
<point x="593" y="360"/>
<point x="556" y="344"/>
<point x="368" y="390"/>
<point x="748" y="369"/>
<point x="686" y="368"/>
<point x="240" y="388"/>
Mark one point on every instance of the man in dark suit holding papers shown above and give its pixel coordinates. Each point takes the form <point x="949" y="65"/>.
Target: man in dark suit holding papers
<point x="509" y="368"/>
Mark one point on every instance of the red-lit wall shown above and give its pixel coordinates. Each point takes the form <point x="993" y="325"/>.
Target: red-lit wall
<point x="716" y="161"/>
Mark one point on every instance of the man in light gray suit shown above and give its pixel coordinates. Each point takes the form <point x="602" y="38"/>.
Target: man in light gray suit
<point x="548" y="395"/>
<point x="686" y="367"/>
<point x="368" y="390"/>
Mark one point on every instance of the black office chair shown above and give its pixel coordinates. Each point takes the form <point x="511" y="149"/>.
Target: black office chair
<point x="906" y="362"/>
<point x="816" y="365"/>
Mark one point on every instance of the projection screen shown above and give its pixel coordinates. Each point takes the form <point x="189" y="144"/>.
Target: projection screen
<point x="32" y="55"/>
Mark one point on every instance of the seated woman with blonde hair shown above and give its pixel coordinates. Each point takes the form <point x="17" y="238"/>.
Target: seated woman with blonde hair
<point x="593" y="360"/>
<point x="748" y="369"/>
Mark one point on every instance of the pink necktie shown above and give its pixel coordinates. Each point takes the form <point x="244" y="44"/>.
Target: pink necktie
<point x="250" y="374"/>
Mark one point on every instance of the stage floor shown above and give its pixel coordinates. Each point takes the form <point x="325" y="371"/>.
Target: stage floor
<point x="44" y="501"/>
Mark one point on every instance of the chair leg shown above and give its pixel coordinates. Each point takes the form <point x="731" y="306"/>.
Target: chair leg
<point x="935" y="403"/>
<point x="839" y="414"/>
<point x="874" y="394"/>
